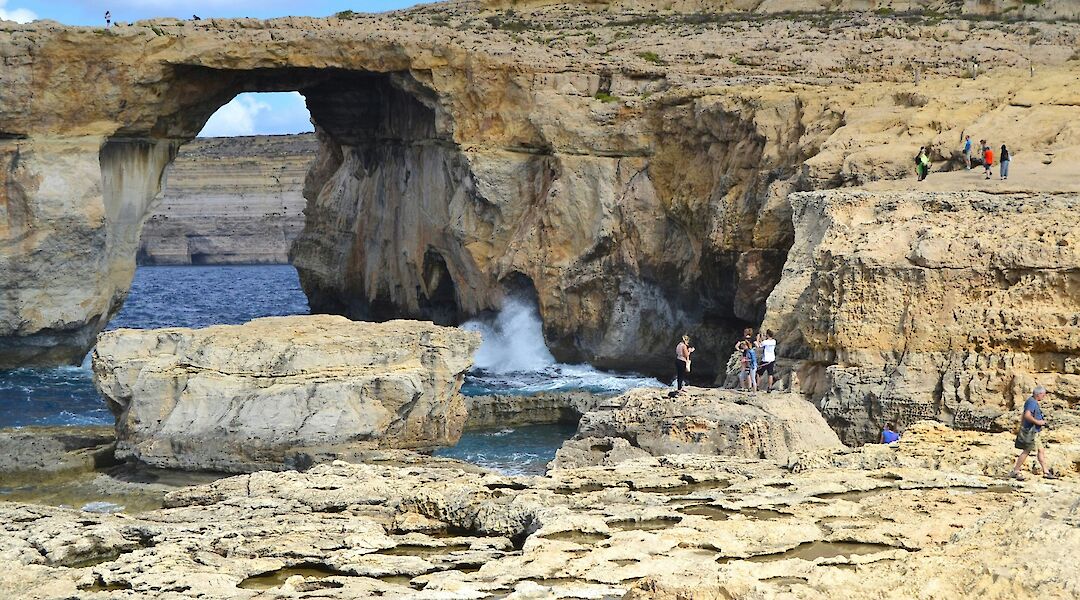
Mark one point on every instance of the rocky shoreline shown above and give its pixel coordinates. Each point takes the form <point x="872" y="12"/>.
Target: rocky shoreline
<point x="711" y="493"/>
<point x="853" y="522"/>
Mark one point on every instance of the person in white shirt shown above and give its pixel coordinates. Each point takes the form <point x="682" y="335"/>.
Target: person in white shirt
<point x="768" y="359"/>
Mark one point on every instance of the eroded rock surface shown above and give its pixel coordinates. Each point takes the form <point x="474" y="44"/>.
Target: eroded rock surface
<point x="677" y="526"/>
<point x="230" y="201"/>
<point x="629" y="164"/>
<point x="699" y="421"/>
<point x="282" y="392"/>
<point x="905" y="306"/>
<point x="510" y="410"/>
<point x="43" y="452"/>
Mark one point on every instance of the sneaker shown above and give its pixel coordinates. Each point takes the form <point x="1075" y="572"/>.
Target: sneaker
<point x="1017" y="476"/>
<point x="1050" y="476"/>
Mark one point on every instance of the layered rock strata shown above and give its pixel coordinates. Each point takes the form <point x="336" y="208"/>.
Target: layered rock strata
<point x="630" y="165"/>
<point x="953" y="306"/>
<point x="230" y="201"/>
<point x="671" y="527"/>
<point x="511" y="410"/>
<point x="282" y="392"/>
<point x="698" y="421"/>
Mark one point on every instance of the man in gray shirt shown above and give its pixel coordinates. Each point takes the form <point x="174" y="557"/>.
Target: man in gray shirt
<point x="1027" y="438"/>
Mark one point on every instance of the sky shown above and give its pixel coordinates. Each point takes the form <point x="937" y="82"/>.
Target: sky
<point x="247" y="114"/>
<point x="92" y="12"/>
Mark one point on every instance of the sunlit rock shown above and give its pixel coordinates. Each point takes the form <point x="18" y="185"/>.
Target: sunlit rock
<point x="282" y="392"/>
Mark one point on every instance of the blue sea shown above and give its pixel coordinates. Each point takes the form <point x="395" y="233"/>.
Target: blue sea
<point x="512" y="360"/>
<point x="159" y="297"/>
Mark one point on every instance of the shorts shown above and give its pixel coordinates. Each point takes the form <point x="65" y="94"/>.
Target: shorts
<point x="1035" y="445"/>
<point x="769" y="367"/>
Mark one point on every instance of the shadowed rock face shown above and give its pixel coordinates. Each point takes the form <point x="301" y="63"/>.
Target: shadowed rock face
<point x="640" y="189"/>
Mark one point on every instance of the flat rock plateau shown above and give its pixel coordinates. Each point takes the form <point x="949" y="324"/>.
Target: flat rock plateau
<point x="929" y="518"/>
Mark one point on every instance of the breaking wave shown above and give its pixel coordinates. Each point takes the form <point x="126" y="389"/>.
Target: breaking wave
<point x="513" y="359"/>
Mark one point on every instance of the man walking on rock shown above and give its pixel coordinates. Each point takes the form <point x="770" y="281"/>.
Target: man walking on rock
<point x="1027" y="438"/>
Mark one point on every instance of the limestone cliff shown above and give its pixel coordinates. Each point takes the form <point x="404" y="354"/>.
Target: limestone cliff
<point x="228" y="201"/>
<point x="904" y="306"/>
<point x="630" y="166"/>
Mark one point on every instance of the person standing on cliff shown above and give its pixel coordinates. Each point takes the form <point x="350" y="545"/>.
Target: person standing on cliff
<point x="768" y="358"/>
<point x="1003" y="163"/>
<point x="967" y="152"/>
<point x="988" y="160"/>
<point x="108" y="19"/>
<point x="682" y="361"/>
<point x="1027" y="437"/>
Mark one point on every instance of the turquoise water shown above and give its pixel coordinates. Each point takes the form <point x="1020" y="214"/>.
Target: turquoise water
<point x="513" y="450"/>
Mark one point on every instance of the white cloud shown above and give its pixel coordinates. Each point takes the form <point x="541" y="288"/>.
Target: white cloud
<point x="266" y="113"/>
<point x="19" y="15"/>
<point x="238" y="117"/>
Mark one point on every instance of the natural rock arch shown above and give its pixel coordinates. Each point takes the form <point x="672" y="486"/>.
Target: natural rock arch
<point x="643" y="193"/>
<point x="374" y="128"/>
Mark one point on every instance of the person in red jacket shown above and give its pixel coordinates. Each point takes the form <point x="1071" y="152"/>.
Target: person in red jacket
<point x="988" y="160"/>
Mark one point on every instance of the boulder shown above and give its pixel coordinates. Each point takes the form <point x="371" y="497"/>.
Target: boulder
<point x="282" y="392"/>
<point x="699" y="421"/>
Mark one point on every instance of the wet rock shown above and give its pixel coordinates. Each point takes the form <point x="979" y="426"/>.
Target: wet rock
<point x="282" y="392"/>
<point x="511" y="410"/>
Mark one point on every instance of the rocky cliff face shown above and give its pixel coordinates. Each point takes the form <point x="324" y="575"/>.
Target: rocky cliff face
<point x="229" y="201"/>
<point x="904" y="306"/>
<point x="628" y="166"/>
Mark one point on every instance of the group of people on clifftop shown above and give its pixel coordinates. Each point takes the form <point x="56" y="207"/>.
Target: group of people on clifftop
<point x="985" y="157"/>
<point x="754" y="357"/>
